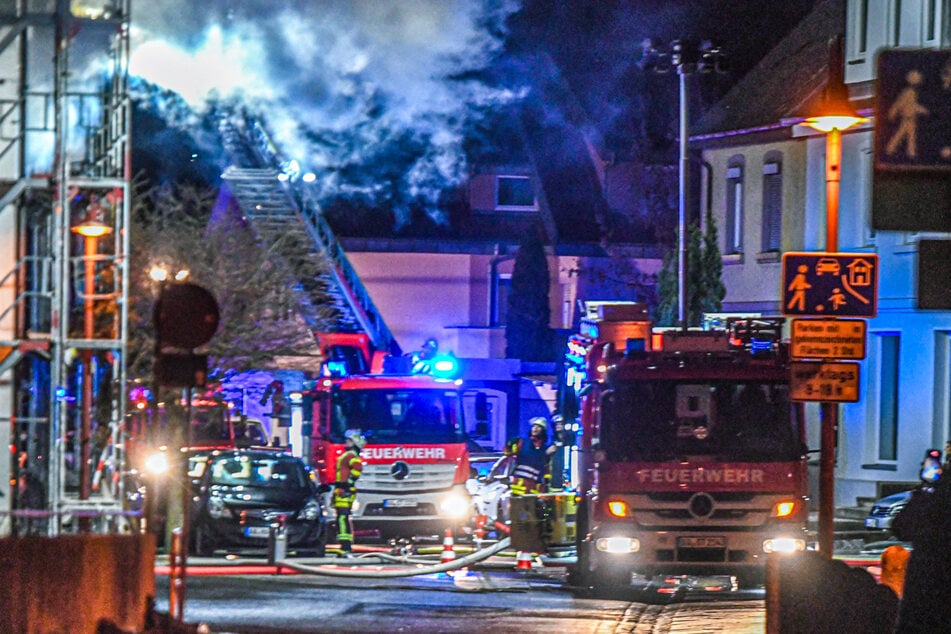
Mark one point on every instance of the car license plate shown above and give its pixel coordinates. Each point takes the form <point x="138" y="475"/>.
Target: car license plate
<point x="701" y="542"/>
<point x="256" y="532"/>
<point x="871" y="522"/>
<point x="400" y="503"/>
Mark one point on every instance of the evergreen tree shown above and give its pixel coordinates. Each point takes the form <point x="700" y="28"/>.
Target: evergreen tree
<point x="527" y="333"/>
<point x="705" y="289"/>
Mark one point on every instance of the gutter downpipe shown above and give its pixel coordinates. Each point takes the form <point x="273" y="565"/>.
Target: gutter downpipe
<point x="494" y="263"/>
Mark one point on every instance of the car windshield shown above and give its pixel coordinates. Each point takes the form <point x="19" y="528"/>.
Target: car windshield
<point x="259" y="471"/>
<point x="669" y="420"/>
<point x="399" y="415"/>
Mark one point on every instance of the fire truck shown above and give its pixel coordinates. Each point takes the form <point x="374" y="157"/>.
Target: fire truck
<point x="416" y="460"/>
<point x="692" y="454"/>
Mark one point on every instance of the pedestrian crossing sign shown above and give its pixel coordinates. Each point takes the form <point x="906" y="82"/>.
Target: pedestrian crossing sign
<point x="819" y="284"/>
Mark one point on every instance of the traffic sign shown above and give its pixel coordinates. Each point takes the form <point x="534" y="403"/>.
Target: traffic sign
<point x="913" y="129"/>
<point x="824" y="381"/>
<point x="830" y="284"/>
<point x="828" y="339"/>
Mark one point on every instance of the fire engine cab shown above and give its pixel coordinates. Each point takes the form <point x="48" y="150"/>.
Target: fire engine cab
<point x="416" y="462"/>
<point x="692" y="454"/>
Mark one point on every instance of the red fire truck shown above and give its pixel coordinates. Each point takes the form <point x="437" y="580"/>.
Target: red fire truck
<point x="692" y="453"/>
<point x="415" y="462"/>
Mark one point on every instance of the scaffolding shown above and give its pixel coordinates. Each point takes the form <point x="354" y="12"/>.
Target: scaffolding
<point x="64" y="216"/>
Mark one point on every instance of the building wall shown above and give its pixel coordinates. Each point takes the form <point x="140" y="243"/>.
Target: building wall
<point x="752" y="278"/>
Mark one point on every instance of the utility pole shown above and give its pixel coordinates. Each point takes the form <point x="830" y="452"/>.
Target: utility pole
<point x="688" y="57"/>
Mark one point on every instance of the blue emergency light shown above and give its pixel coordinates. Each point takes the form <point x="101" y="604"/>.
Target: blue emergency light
<point x="445" y="366"/>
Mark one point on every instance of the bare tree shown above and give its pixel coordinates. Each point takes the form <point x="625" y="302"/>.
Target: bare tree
<point x="182" y="228"/>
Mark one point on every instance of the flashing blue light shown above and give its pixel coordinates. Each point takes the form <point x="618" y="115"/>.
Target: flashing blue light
<point x="335" y="368"/>
<point x="760" y="345"/>
<point x="445" y="365"/>
<point x="60" y="394"/>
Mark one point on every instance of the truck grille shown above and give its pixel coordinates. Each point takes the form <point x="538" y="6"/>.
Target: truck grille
<point x="714" y="510"/>
<point x="380" y="478"/>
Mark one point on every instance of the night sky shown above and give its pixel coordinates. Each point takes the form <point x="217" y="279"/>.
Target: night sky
<point x="363" y="92"/>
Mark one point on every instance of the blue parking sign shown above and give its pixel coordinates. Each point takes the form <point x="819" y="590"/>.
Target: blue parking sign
<point x="822" y="284"/>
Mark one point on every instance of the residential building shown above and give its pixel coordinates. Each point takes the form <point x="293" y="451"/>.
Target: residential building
<point x="767" y="190"/>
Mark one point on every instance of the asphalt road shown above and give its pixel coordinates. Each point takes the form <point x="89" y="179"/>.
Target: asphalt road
<point x="495" y="601"/>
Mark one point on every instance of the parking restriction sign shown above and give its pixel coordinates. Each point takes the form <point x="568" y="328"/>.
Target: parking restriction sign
<point x="824" y="381"/>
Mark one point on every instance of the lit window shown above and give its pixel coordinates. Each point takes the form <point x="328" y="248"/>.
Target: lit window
<point x="734" y="206"/>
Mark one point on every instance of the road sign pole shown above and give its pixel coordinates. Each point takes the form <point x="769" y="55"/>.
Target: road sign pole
<point x="829" y="411"/>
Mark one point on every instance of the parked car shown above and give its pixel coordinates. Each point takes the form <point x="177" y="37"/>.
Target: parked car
<point x="241" y="494"/>
<point x="491" y="492"/>
<point x="884" y="510"/>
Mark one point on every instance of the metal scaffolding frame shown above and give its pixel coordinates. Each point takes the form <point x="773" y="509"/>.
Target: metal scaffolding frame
<point x="63" y="304"/>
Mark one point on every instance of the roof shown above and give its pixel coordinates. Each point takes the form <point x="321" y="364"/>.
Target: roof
<point x="786" y="79"/>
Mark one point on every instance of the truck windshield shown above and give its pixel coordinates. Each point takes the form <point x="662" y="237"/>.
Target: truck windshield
<point x="397" y="416"/>
<point x="670" y="420"/>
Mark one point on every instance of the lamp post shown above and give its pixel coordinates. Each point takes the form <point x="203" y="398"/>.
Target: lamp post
<point x="837" y="115"/>
<point x="91" y="230"/>
<point x="688" y="57"/>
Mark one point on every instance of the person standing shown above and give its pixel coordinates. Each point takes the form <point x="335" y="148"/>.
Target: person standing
<point x="925" y="604"/>
<point x="562" y="440"/>
<point x="531" y="458"/>
<point x="349" y="468"/>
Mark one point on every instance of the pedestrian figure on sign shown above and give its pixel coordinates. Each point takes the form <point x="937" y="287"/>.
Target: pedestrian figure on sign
<point x="837" y="298"/>
<point x="907" y="109"/>
<point x="799" y="286"/>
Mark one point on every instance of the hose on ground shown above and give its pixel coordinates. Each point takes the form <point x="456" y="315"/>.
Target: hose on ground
<point x="462" y="562"/>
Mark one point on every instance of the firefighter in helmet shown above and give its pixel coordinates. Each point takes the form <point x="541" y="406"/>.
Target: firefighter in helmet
<point x="531" y="458"/>
<point x="349" y="468"/>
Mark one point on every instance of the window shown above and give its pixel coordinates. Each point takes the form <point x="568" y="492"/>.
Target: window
<point x="896" y="25"/>
<point x="865" y="191"/>
<point x="888" y="397"/>
<point x="514" y="193"/>
<point x="772" y="202"/>
<point x="734" y="205"/>
<point x="500" y="305"/>
<point x="930" y="22"/>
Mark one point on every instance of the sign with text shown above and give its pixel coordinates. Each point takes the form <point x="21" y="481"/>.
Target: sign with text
<point x="824" y="381"/>
<point x="830" y="284"/>
<point x="828" y="339"/>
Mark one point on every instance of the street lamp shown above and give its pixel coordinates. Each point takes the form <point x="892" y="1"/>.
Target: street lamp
<point x="91" y="230"/>
<point x="836" y="114"/>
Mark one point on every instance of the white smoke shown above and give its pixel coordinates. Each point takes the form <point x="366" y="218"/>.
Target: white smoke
<point x="342" y="84"/>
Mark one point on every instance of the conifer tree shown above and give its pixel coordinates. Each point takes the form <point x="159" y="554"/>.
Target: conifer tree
<point x="527" y="333"/>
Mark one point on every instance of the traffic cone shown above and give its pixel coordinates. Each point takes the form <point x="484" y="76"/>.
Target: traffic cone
<point x="448" y="554"/>
<point x="480" y="528"/>
<point x="523" y="561"/>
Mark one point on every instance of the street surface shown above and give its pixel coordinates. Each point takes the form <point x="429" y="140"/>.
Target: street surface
<point x="493" y="600"/>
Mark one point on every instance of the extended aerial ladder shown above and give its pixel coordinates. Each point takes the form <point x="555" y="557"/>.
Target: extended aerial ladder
<point x="64" y="210"/>
<point x="287" y="220"/>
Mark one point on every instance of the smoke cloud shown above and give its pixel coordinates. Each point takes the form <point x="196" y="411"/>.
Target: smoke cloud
<point x="373" y="96"/>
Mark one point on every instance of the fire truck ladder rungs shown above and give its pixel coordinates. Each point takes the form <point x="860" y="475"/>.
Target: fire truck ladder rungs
<point x="287" y="220"/>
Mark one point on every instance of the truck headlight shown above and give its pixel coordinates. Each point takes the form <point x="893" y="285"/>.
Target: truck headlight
<point x="618" y="545"/>
<point x="784" y="545"/>
<point x="157" y="463"/>
<point x="454" y="505"/>
<point x="617" y="508"/>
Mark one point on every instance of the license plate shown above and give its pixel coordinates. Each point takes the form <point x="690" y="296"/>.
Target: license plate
<point x="399" y="503"/>
<point x="256" y="531"/>
<point x="701" y="542"/>
<point x="871" y="522"/>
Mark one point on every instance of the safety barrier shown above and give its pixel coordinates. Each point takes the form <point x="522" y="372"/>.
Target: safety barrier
<point x="76" y="583"/>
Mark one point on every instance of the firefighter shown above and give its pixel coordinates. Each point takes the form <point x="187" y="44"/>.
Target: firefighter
<point x="349" y="468"/>
<point x="531" y="458"/>
<point x="562" y="441"/>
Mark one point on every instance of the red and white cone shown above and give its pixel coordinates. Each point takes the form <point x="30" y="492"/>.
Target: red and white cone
<point x="480" y="528"/>
<point x="448" y="554"/>
<point x="523" y="561"/>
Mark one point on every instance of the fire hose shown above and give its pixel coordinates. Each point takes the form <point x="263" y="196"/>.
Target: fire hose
<point x="420" y="569"/>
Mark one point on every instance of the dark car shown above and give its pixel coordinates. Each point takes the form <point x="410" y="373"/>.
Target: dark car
<point x="241" y="494"/>
<point x="886" y="509"/>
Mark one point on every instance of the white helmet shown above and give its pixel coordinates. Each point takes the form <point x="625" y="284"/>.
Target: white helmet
<point x="354" y="436"/>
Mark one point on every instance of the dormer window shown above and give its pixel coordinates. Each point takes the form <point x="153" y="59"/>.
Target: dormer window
<point x="514" y="193"/>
